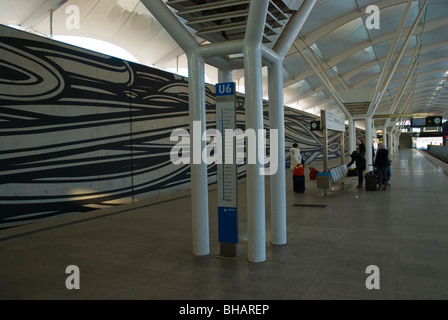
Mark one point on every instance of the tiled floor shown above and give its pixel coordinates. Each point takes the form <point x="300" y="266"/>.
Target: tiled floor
<point x="143" y="251"/>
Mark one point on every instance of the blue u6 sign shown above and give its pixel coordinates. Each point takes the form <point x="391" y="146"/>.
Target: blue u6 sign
<point x="227" y="177"/>
<point x="228" y="224"/>
<point x="225" y="89"/>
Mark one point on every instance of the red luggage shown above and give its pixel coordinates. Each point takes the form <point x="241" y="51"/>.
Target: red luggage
<point x="298" y="177"/>
<point x="299" y="170"/>
<point x="313" y="174"/>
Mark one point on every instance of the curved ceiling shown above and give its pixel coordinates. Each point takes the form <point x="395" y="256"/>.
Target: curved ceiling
<point x="337" y="39"/>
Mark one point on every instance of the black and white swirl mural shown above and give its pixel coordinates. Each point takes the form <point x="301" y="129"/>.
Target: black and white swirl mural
<point x="81" y="131"/>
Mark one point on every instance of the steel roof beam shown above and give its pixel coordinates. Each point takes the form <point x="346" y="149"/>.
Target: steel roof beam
<point x="380" y="83"/>
<point x="375" y="99"/>
<point x="293" y="28"/>
<point x="409" y="71"/>
<point x="333" y="61"/>
<point x="171" y="24"/>
<point x="332" y="92"/>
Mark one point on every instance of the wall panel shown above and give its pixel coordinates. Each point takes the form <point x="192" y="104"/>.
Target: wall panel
<point x="80" y="130"/>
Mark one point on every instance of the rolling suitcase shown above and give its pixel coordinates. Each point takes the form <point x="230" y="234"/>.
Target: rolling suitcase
<point x="299" y="184"/>
<point x="299" y="179"/>
<point x="370" y="181"/>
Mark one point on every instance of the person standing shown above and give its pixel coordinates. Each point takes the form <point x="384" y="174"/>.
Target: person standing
<point x="362" y="148"/>
<point x="360" y="161"/>
<point x="382" y="165"/>
<point x="296" y="157"/>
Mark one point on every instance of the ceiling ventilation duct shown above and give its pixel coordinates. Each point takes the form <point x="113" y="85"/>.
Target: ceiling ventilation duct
<point x="356" y="101"/>
<point x="220" y="20"/>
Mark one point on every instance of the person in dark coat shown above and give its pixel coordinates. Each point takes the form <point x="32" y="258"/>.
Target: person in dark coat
<point x="360" y="161"/>
<point x="362" y="148"/>
<point x="382" y="165"/>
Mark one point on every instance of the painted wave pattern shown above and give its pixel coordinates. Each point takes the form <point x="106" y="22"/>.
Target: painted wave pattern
<point x="81" y="131"/>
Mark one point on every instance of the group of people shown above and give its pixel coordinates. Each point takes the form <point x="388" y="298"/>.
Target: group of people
<point x="381" y="163"/>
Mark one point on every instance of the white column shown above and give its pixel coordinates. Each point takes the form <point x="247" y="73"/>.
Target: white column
<point x="278" y="183"/>
<point x="393" y="142"/>
<point x="199" y="179"/>
<point x="396" y="141"/>
<point x="369" y="161"/>
<point x="351" y="136"/>
<point x="254" y="121"/>
<point x="385" y="141"/>
<point x="255" y="181"/>
<point x="224" y="75"/>
<point x="390" y="141"/>
<point x="276" y="118"/>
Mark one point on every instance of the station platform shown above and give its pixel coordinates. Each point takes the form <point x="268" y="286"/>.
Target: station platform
<point x="143" y="251"/>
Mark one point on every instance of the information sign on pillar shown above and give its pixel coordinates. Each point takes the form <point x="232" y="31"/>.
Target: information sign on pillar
<point x="335" y="122"/>
<point x="227" y="178"/>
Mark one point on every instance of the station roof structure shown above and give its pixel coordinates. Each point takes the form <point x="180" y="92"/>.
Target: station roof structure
<point x="351" y="44"/>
